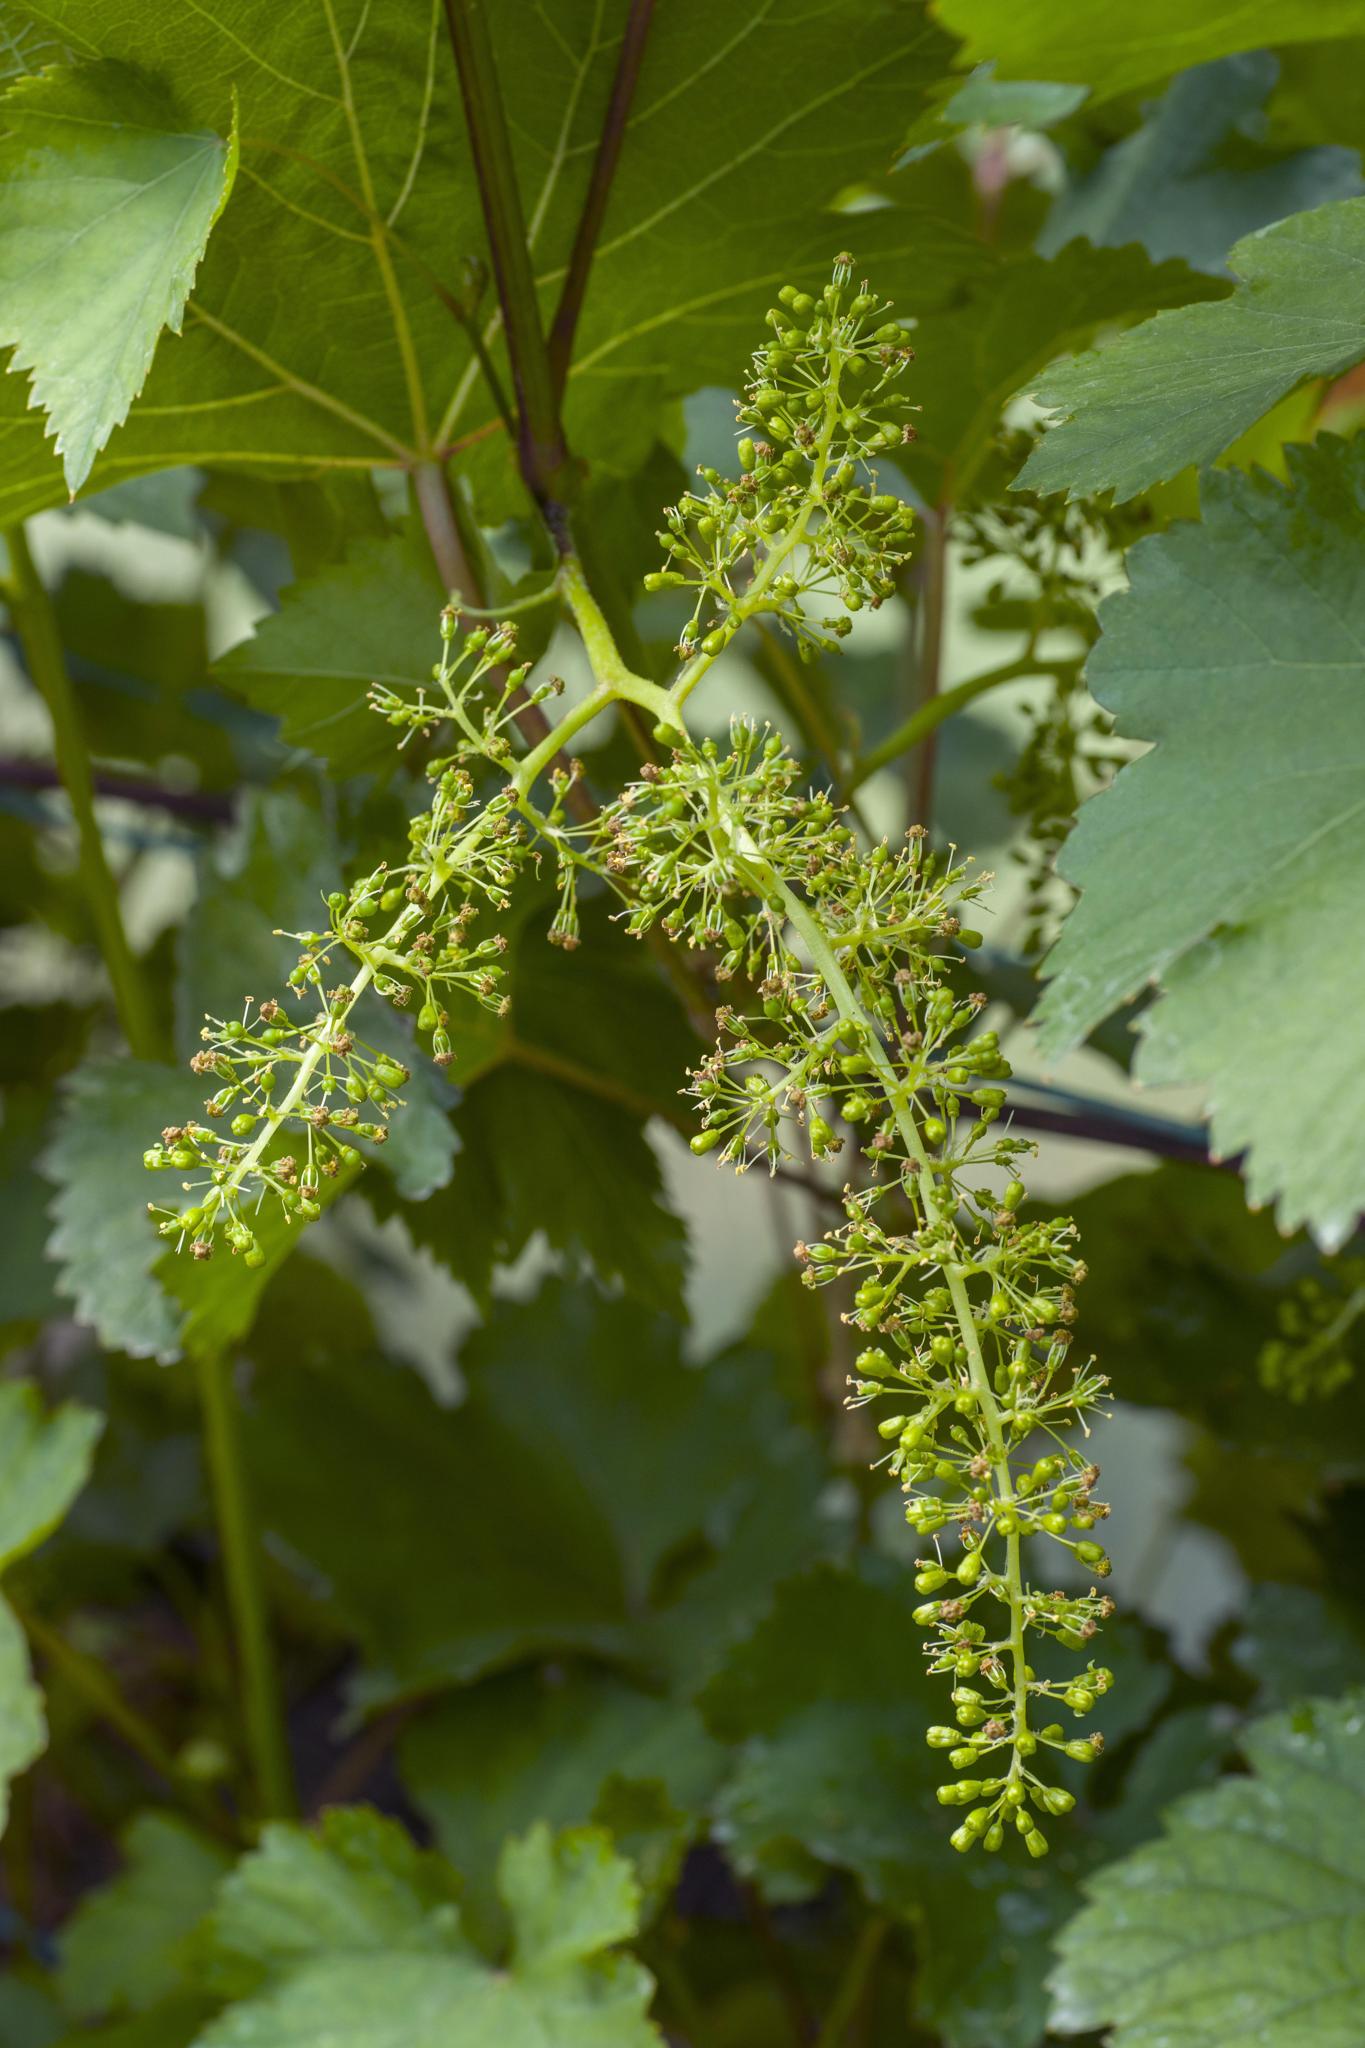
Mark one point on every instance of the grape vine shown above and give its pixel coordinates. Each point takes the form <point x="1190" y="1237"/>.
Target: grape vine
<point x="847" y="1030"/>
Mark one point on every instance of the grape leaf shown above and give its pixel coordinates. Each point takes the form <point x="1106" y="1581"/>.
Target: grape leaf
<point x="1182" y="387"/>
<point x="1225" y="864"/>
<point x="44" y="1462"/>
<point x="106" y="203"/>
<point x="354" y="1883"/>
<point x="125" y="1945"/>
<point x="570" y="1900"/>
<point x="558" y="1746"/>
<point x="1114" y="53"/>
<point x="23" y="1729"/>
<point x="1189" y="182"/>
<point x="356" y="177"/>
<point x="372" y="618"/>
<point x="1244" y="1927"/>
<point x="972" y="359"/>
<point x="545" y="1484"/>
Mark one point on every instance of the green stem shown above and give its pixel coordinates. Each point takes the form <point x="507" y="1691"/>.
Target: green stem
<point x="852" y="1986"/>
<point x="932" y="616"/>
<point x="243" y="1565"/>
<point x="615" y="682"/>
<point x="770" y="887"/>
<point x="37" y="626"/>
<point x="97" y="1689"/>
<point x="945" y="705"/>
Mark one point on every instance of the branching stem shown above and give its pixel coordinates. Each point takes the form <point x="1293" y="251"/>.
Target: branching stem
<point x="768" y="885"/>
<point x="266" y="1733"/>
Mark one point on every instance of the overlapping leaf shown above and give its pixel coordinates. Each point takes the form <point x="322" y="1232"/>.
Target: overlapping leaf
<point x="1245" y="1925"/>
<point x="44" y="1460"/>
<point x="367" y="1960"/>
<point x="972" y="359"/>
<point x="106" y="202"/>
<point x="1182" y="387"/>
<point x="1226" y="864"/>
<point x="592" y="1493"/>
<point x="1190" y="182"/>
<point x="315" y="336"/>
<point x="1111" y="53"/>
<point x="563" y="1746"/>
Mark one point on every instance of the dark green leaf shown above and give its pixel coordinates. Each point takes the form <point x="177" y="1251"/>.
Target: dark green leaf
<point x="370" y="619"/>
<point x="1189" y="182"/>
<point x="566" y="1747"/>
<point x="971" y="360"/>
<point x="126" y="1944"/>
<point x="545" y="1485"/>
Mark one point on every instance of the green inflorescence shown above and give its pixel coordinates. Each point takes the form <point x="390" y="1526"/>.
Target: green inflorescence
<point x="847" y="1034"/>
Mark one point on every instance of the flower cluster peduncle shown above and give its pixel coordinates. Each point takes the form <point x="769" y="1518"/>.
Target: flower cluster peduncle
<point x="855" y="1036"/>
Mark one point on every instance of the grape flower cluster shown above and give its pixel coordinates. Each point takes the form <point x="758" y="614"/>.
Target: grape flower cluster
<point x="847" y="1034"/>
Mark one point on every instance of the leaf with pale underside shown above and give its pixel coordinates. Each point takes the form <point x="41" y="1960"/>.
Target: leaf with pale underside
<point x="1182" y="387"/>
<point x="1228" y="864"/>
<point x="107" y="198"/>
<point x="1244" y="1926"/>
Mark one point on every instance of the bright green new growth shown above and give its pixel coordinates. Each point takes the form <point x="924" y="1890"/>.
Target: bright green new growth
<point x="847" y="1013"/>
<point x="106" y="202"/>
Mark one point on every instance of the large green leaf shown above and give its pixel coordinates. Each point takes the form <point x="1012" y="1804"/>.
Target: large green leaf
<point x="561" y="1746"/>
<point x="1116" y="50"/>
<point x="1244" y="1927"/>
<point x="315" y="336"/>
<point x="544" y="1484"/>
<point x="371" y="618"/>
<point x="356" y="1883"/>
<point x="106" y="202"/>
<point x="1190" y="181"/>
<point x="570" y="1901"/>
<point x="1226" y="863"/>
<point x="1182" y="387"/>
<point x="126" y="1944"/>
<point x="44" y="1462"/>
<point x="971" y="360"/>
